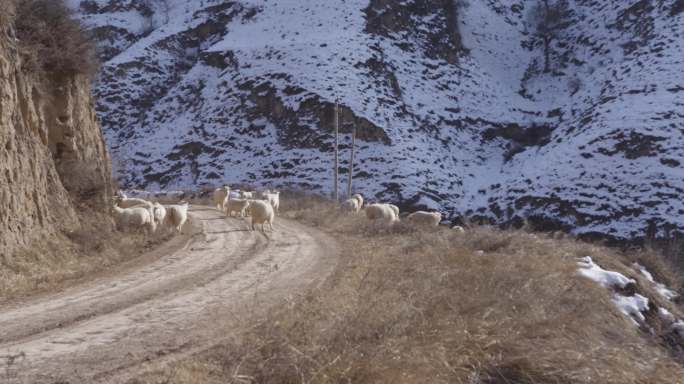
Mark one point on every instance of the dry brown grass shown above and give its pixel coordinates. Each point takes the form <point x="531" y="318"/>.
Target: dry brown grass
<point x="52" y="40"/>
<point x="7" y="13"/>
<point x="411" y="306"/>
<point x="55" y="262"/>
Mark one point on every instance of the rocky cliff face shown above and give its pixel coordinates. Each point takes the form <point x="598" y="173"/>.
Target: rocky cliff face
<point x="52" y="154"/>
<point x="455" y="107"/>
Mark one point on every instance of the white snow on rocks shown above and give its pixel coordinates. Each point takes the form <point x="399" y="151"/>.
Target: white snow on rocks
<point x="632" y="306"/>
<point x="636" y="305"/>
<point x="679" y="328"/>
<point x="662" y="290"/>
<point x="607" y="279"/>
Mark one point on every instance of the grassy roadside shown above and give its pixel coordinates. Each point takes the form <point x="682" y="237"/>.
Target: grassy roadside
<point x="412" y="306"/>
<point x="72" y="256"/>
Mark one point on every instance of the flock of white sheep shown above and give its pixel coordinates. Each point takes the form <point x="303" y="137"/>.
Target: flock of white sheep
<point x="141" y="214"/>
<point x="389" y="213"/>
<point x="134" y="214"/>
<point x="261" y="206"/>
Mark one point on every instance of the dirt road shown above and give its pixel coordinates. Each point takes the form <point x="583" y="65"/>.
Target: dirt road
<point x="114" y="327"/>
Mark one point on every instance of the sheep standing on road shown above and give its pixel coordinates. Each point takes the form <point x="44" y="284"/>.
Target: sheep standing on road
<point x="381" y="212"/>
<point x="273" y="198"/>
<point x="176" y="215"/>
<point x="134" y="218"/>
<point x="431" y="219"/>
<point x="262" y="213"/>
<point x="220" y="196"/>
<point x="159" y="213"/>
<point x="125" y="202"/>
<point x="239" y="206"/>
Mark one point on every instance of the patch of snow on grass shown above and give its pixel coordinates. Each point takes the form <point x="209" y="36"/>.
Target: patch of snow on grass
<point x="632" y="305"/>
<point x="607" y="279"/>
<point x="666" y="315"/>
<point x="679" y="328"/>
<point x="662" y="290"/>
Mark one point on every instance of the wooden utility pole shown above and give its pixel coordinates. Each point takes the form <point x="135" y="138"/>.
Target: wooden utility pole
<point x="351" y="164"/>
<point x="337" y="155"/>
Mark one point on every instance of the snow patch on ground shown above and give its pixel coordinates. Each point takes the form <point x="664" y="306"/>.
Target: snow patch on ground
<point x="632" y="306"/>
<point x="607" y="279"/>
<point x="662" y="290"/>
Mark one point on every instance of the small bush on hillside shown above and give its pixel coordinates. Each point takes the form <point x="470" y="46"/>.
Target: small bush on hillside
<point x="52" y="40"/>
<point x="7" y="7"/>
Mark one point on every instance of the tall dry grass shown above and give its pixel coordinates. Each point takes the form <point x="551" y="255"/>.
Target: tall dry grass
<point x="53" y="41"/>
<point x="415" y="306"/>
<point x="64" y="259"/>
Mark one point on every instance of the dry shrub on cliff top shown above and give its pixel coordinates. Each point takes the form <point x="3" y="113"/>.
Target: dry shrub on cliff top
<point x="7" y="7"/>
<point x="424" y="306"/>
<point x="52" y="40"/>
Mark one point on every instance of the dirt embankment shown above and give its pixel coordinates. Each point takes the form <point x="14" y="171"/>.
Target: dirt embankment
<point x="55" y="173"/>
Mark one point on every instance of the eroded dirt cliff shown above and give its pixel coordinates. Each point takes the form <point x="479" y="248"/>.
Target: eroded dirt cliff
<point x="53" y="160"/>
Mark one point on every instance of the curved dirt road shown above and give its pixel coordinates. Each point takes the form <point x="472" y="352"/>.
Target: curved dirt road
<point x="112" y="328"/>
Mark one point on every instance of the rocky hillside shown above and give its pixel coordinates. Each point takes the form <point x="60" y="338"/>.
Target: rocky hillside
<point x="52" y="153"/>
<point x="477" y="108"/>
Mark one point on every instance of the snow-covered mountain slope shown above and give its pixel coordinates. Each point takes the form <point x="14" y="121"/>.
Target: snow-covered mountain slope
<point x="452" y="105"/>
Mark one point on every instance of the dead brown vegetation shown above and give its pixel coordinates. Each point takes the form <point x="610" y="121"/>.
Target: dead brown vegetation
<point x="7" y="13"/>
<point x="412" y="306"/>
<point x="53" y="263"/>
<point x="52" y="41"/>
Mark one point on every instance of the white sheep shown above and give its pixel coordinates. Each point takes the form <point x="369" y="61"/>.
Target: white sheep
<point x="159" y="213"/>
<point x="431" y="219"/>
<point x="125" y="202"/>
<point x="458" y="229"/>
<point x="273" y="198"/>
<point x="134" y="218"/>
<point x="220" y="196"/>
<point x="358" y="198"/>
<point x="236" y="205"/>
<point x="176" y="215"/>
<point x="262" y="213"/>
<point x="246" y="195"/>
<point x="383" y="212"/>
<point x="350" y="205"/>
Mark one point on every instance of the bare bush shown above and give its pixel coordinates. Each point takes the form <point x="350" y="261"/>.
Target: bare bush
<point x="548" y="18"/>
<point x="52" y="41"/>
<point x="7" y="13"/>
